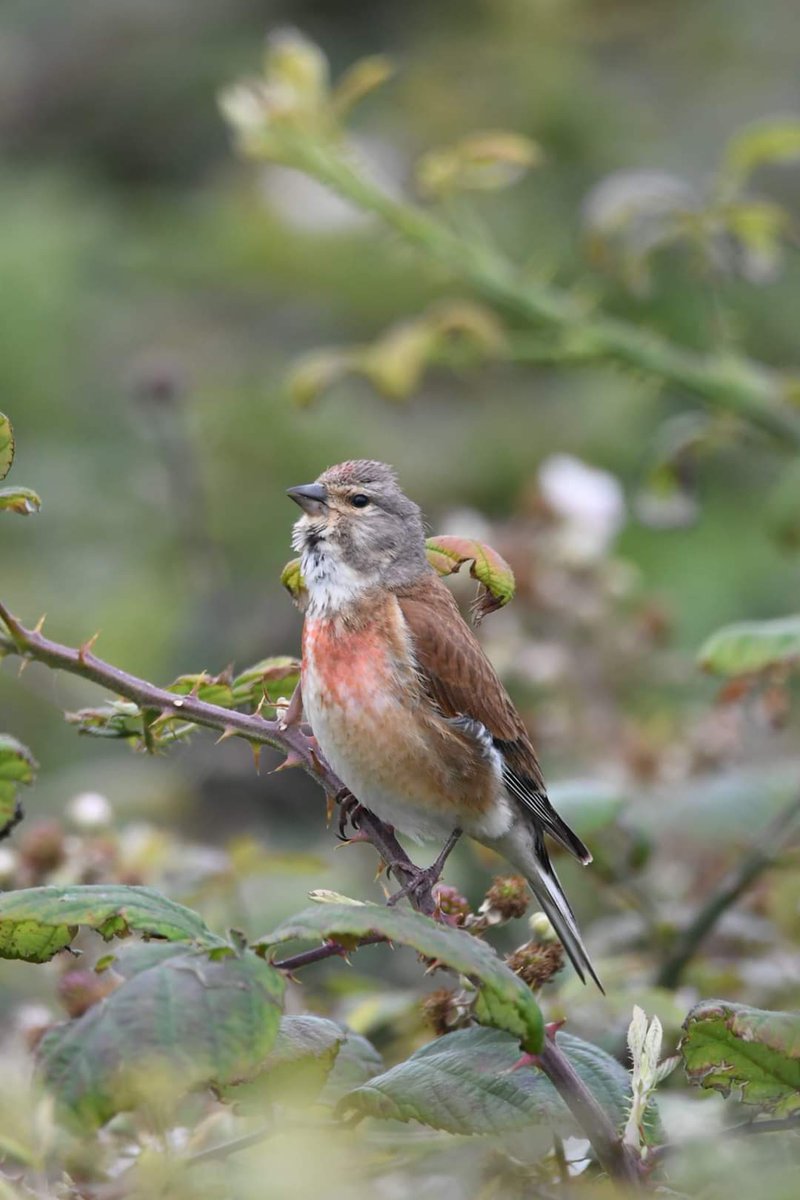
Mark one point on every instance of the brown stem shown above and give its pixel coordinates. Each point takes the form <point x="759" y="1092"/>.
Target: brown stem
<point x="31" y="644"/>
<point x="327" y="950"/>
<point x="731" y="887"/>
<point x="616" y="1159"/>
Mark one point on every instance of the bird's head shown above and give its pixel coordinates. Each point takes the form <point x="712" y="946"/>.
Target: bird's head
<point x="358" y="529"/>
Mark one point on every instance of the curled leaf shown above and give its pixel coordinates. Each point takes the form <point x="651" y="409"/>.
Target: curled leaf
<point x="19" y="500"/>
<point x="750" y="647"/>
<point x="448" y="554"/>
<point x="17" y="765"/>
<point x="6" y="445"/>
<point x="292" y="580"/>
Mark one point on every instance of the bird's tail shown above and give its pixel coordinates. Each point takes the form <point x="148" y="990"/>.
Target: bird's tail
<point x="526" y="849"/>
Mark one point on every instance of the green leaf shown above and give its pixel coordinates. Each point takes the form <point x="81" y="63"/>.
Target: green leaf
<point x="732" y="1048"/>
<point x="213" y="689"/>
<point x="297" y="1066"/>
<point x="503" y="999"/>
<point x="463" y="1083"/>
<point x="183" y="1023"/>
<point x="17" y="765"/>
<point x="19" y="500"/>
<point x="272" y="677"/>
<point x="37" y="922"/>
<point x="761" y="144"/>
<point x="356" y="1062"/>
<point x="448" y="554"/>
<point x="117" y="719"/>
<point x="6" y="445"/>
<point x="752" y="646"/>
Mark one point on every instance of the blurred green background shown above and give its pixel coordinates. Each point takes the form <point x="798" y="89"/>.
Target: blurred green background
<point x="155" y="290"/>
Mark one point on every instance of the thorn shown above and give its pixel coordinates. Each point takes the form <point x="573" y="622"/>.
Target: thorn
<point x="257" y="747"/>
<point x="86" y="646"/>
<point x="527" y="1060"/>
<point x="228" y="732"/>
<point x="39" y="624"/>
<point x="357" y="837"/>
<point x="552" y="1027"/>
<point x="226" y="675"/>
<point x="260" y="705"/>
<point x="293" y="759"/>
<point x="22" y="665"/>
<point x="330" y="807"/>
<point x="199" y="682"/>
<point x="164" y="716"/>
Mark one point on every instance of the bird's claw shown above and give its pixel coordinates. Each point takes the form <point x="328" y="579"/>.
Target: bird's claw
<point x="349" y="813"/>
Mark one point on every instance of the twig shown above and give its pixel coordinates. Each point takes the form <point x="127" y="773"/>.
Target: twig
<point x="616" y="1159"/>
<point x="575" y="333"/>
<point x="31" y="644"/>
<point x="731" y="887"/>
<point x="327" y="950"/>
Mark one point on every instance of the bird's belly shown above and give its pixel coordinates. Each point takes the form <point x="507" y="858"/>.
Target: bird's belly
<point x="377" y="737"/>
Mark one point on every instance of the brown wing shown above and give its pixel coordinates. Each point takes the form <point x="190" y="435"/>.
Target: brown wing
<point x="462" y="682"/>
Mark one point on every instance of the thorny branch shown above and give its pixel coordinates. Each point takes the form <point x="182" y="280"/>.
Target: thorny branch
<point x="299" y="748"/>
<point x="617" y="1159"/>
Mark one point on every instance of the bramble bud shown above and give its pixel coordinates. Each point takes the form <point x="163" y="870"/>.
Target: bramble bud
<point x="80" y="989"/>
<point x="445" y="1010"/>
<point x="451" y="903"/>
<point x="508" y="897"/>
<point x="537" y="962"/>
<point x="41" y="848"/>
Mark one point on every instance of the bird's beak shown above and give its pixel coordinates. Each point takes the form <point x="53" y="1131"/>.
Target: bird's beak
<point x="312" y="497"/>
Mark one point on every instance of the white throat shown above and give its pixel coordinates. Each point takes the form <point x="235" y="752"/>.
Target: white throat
<point x="331" y="583"/>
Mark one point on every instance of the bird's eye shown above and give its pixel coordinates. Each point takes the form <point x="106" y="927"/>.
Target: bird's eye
<point x="359" y="500"/>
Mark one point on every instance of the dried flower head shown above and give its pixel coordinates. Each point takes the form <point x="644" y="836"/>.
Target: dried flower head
<point x="450" y="903"/>
<point x="445" y="1010"/>
<point x="537" y="962"/>
<point x="507" y="898"/>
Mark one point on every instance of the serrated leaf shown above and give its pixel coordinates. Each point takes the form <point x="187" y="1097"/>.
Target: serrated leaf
<point x="117" y="719"/>
<point x="37" y="922"/>
<point x="17" y="765"/>
<point x="749" y="647"/>
<point x="183" y="1023"/>
<point x="776" y="140"/>
<point x="733" y="1048"/>
<point x="273" y="677"/>
<point x="19" y="500"/>
<point x="209" y="688"/>
<point x="463" y="1083"/>
<point x="503" y="999"/>
<point x="448" y="554"/>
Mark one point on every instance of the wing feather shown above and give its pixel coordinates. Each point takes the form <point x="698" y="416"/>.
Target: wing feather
<point x="462" y="683"/>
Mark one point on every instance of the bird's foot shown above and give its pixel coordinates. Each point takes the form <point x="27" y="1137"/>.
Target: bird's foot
<point x="349" y="813"/>
<point x="424" y="878"/>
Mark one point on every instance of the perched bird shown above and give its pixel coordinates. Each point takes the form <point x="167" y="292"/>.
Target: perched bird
<point x="403" y="701"/>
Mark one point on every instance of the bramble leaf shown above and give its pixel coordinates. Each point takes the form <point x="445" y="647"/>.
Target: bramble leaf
<point x="6" y="445"/>
<point x="503" y="1000"/>
<point x="17" y="765"/>
<point x="448" y="554"/>
<point x="749" y="647"/>
<point x="464" y="1083"/>
<point x="35" y="923"/>
<point x="733" y="1048"/>
<point x="184" y="1022"/>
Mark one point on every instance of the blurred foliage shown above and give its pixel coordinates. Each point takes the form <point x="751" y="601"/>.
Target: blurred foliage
<point x="162" y="307"/>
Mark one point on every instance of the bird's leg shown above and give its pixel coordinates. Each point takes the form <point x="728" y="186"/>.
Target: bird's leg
<point x="426" y="877"/>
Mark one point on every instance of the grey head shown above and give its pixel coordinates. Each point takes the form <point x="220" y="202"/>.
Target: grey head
<point x="358" y="530"/>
